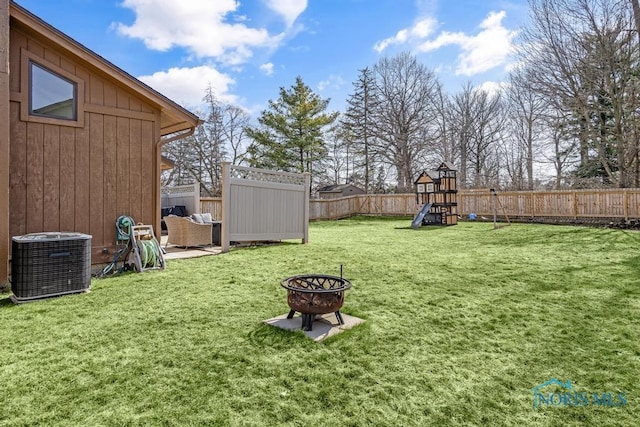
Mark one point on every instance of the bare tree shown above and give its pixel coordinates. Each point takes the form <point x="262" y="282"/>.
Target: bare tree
<point x="182" y="155"/>
<point x="513" y="163"/>
<point x="585" y="60"/>
<point x="525" y="115"/>
<point x="478" y="123"/>
<point x="445" y="146"/>
<point x="337" y="166"/>
<point x="405" y="90"/>
<point x="563" y="144"/>
<point x="235" y="121"/>
<point x="198" y="158"/>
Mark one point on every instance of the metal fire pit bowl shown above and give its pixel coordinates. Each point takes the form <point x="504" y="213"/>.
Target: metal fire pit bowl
<point x="311" y="294"/>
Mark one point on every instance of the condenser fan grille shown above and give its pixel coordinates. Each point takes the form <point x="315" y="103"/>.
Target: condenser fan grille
<point x="50" y="264"/>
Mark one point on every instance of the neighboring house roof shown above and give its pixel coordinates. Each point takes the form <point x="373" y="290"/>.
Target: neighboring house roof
<point x="338" y="188"/>
<point x="173" y="117"/>
<point x="59" y="108"/>
<point x="329" y="188"/>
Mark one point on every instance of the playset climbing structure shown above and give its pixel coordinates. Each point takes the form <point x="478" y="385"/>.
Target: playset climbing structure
<point x="437" y="193"/>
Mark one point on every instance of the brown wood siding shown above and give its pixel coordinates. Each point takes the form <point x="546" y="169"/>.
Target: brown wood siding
<point x="110" y="180"/>
<point x="135" y="178"/>
<point x="82" y="182"/>
<point x="35" y="165"/>
<point x="51" y="147"/>
<point x="17" y="173"/>
<point x="66" y="178"/>
<point x="5" y="136"/>
<point x="122" y="165"/>
<point x="17" y="40"/>
<point x="147" y="175"/>
<point x="96" y="166"/>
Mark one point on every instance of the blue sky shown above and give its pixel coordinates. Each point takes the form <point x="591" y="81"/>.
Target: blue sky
<point x="246" y="50"/>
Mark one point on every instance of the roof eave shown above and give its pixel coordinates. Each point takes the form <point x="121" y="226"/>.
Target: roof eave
<point x="173" y="117"/>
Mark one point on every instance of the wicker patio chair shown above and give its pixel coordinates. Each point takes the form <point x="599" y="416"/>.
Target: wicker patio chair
<point x="184" y="232"/>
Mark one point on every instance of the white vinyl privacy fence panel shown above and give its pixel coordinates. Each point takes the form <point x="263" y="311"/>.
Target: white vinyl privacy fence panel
<point x="260" y="204"/>
<point x="187" y="195"/>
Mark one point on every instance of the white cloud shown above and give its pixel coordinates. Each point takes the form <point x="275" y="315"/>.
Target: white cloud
<point x="445" y="38"/>
<point x="421" y="29"/>
<point x="201" y="26"/>
<point x="288" y="9"/>
<point x="493" y="88"/>
<point x="187" y="85"/>
<point x="486" y="50"/>
<point x="333" y="82"/>
<point x="267" y="68"/>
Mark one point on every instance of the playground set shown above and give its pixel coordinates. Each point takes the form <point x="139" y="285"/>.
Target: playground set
<point x="437" y="192"/>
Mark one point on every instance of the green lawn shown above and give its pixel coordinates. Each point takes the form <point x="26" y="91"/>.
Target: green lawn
<point x="461" y="323"/>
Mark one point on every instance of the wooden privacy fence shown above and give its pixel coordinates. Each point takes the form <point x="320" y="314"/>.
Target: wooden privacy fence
<point x="621" y="203"/>
<point x="212" y="205"/>
<point x="366" y="204"/>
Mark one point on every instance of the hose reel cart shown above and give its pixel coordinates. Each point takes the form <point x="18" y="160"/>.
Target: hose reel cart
<point x="146" y="253"/>
<point x="136" y="247"/>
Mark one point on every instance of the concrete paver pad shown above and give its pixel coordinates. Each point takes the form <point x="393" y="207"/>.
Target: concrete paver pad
<point x="324" y="326"/>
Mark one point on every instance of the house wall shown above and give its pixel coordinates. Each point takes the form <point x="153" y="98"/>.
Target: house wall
<point x="80" y="176"/>
<point x="4" y="141"/>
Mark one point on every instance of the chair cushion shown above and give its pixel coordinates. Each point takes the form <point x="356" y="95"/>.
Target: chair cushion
<point x="198" y="218"/>
<point x="206" y="217"/>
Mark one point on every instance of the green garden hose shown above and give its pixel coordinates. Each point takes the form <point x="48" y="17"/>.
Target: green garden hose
<point x="123" y="240"/>
<point x="149" y="253"/>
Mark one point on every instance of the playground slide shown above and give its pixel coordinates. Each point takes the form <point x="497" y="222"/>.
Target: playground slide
<point x="417" y="221"/>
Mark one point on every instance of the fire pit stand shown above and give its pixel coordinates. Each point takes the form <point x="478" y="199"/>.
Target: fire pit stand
<point x="311" y="294"/>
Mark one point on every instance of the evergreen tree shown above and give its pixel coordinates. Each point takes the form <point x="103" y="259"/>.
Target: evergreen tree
<point x="358" y="123"/>
<point x="290" y="136"/>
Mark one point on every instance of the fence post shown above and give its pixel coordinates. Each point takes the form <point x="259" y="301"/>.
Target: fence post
<point x="226" y="207"/>
<point x="493" y="205"/>
<point x="307" y="192"/>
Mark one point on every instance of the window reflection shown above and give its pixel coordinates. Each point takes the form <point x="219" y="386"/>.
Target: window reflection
<point x="51" y="95"/>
